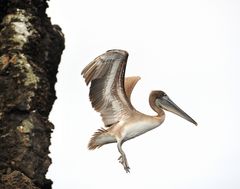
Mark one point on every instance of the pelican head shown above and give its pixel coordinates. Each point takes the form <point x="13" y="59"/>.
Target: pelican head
<point x="164" y="102"/>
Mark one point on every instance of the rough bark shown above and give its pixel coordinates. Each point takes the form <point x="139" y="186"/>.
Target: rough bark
<point x="30" y="51"/>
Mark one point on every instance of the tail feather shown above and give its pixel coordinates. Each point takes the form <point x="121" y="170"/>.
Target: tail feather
<point x="99" y="138"/>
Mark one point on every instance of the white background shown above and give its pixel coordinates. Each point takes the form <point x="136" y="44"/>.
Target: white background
<point x="191" y="50"/>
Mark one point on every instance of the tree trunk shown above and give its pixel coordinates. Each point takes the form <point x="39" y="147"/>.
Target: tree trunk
<point x="30" y="51"/>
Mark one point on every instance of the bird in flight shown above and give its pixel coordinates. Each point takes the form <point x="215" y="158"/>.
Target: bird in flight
<point x="110" y="94"/>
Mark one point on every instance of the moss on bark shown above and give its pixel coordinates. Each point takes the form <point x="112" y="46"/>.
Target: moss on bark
<point x="30" y="51"/>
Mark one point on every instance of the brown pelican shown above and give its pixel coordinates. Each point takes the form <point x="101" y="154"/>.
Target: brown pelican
<point x="110" y="95"/>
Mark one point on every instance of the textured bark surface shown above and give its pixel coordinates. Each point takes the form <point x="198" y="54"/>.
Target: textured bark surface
<point x="30" y="51"/>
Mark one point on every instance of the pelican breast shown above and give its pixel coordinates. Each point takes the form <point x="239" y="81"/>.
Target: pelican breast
<point x="139" y="124"/>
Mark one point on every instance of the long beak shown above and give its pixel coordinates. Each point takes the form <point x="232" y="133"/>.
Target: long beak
<point x="167" y="104"/>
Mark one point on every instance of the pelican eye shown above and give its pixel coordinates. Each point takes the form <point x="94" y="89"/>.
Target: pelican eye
<point x="163" y="95"/>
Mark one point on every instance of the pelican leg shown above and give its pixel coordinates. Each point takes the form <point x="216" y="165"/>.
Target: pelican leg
<point x="122" y="159"/>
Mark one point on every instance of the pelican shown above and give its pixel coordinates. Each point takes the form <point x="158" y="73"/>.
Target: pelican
<point x="110" y="94"/>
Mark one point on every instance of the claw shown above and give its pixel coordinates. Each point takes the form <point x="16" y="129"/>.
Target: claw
<point x="124" y="162"/>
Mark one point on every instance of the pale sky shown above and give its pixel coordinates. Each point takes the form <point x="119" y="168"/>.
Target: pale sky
<point x="191" y="50"/>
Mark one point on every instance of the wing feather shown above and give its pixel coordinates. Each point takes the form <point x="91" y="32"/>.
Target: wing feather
<point x="107" y="94"/>
<point x="129" y="84"/>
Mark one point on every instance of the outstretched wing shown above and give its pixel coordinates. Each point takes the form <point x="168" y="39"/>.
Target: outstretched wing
<point x="129" y="85"/>
<point x="107" y="94"/>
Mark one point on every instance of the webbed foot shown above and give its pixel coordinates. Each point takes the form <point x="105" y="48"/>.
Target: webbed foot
<point x="123" y="161"/>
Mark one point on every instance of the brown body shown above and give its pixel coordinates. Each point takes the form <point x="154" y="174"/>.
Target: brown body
<point x="133" y="126"/>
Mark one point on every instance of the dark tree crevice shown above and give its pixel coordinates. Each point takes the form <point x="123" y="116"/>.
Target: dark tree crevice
<point x="30" y="52"/>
